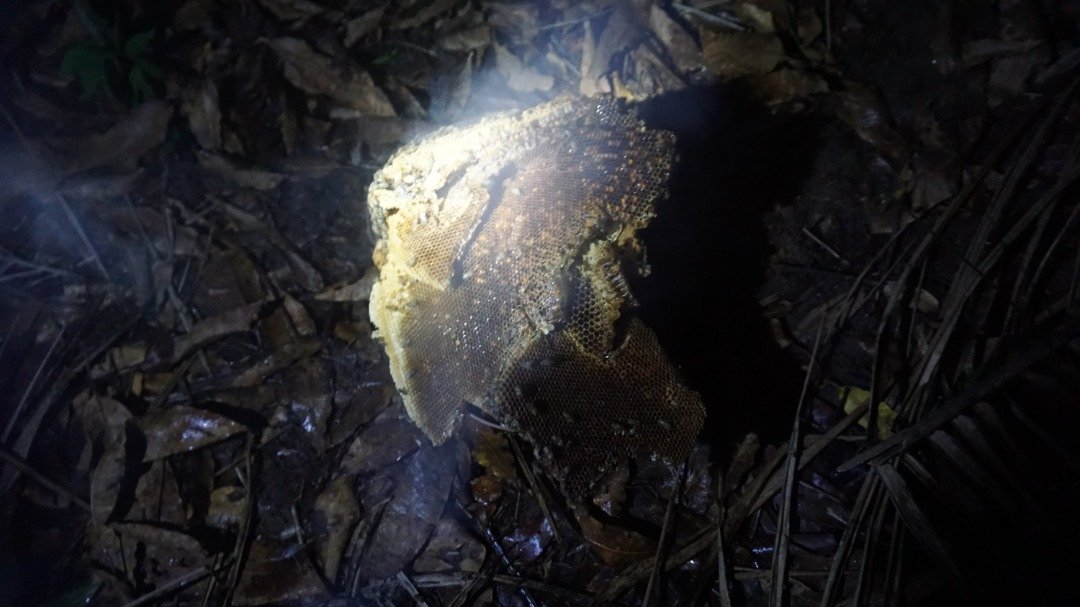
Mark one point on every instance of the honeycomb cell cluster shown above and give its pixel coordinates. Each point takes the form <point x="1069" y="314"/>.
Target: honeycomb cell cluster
<point x="502" y="248"/>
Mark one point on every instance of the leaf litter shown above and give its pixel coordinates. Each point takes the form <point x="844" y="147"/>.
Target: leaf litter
<point x="200" y="414"/>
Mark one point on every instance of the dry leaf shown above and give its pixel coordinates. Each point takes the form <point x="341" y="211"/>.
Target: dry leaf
<point x="363" y="25"/>
<point x="336" y="512"/>
<point x="855" y="397"/>
<point x="421" y="488"/>
<point x="293" y="10"/>
<point x="248" y="178"/>
<point x="616" y="546"/>
<point x="318" y="74"/>
<point x="108" y="479"/>
<point x="181" y="429"/>
<point x="273" y="574"/>
<point x="467" y="39"/>
<point x="427" y="12"/>
<point x="520" y="77"/>
<point x="785" y="84"/>
<point x="730" y="55"/>
<point x="203" y="114"/>
<point x="390" y="438"/>
<point x="452" y="548"/>
<point x="204" y="332"/>
<point x="145" y="553"/>
<point x="680" y="45"/>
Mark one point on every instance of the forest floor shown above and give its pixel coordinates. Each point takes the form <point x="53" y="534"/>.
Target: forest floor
<point x="867" y="266"/>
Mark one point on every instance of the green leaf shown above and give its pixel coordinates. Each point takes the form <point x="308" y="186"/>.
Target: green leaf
<point x="140" y="85"/>
<point x="138" y="44"/>
<point x="90" y="67"/>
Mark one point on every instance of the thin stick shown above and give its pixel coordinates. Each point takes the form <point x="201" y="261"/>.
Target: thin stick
<point x="173" y="586"/>
<point x="664" y="532"/>
<point x="722" y="591"/>
<point x="783" y="530"/>
<point x="537" y="490"/>
<point x="84" y="237"/>
<point x="30" y="388"/>
<point x="16" y="462"/>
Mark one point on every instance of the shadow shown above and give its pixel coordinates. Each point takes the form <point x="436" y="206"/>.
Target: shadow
<point x="708" y="251"/>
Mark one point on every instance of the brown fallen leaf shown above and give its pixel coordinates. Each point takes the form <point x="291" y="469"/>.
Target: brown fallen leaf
<point x="785" y="84"/>
<point x="203" y="114"/>
<point x="255" y="179"/>
<point x="614" y="545"/>
<point x="226" y="508"/>
<point x="493" y="453"/>
<point x="146" y="554"/>
<point x="861" y="110"/>
<point x="274" y="574"/>
<point x="974" y="52"/>
<point x="467" y="37"/>
<point x="519" y="76"/>
<point x="390" y="438"/>
<point x="681" y="47"/>
<point x="619" y="34"/>
<point x="421" y="488"/>
<point x="363" y="25"/>
<point x="730" y="55"/>
<point x="204" y="332"/>
<point x="39" y="166"/>
<point x="528" y="540"/>
<point x="293" y="10"/>
<point x="108" y="480"/>
<point x="318" y="74"/>
<point x="139" y="131"/>
<point x="180" y="429"/>
<point x="452" y="548"/>
<point x="427" y="12"/>
<point x="157" y="496"/>
<point x="336" y="512"/>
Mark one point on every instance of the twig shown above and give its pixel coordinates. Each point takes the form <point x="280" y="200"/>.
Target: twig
<point x="534" y="485"/>
<point x="182" y="312"/>
<point x="903" y="440"/>
<point x="17" y="413"/>
<point x="824" y="245"/>
<point x="722" y="590"/>
<point x="175" y="585"/>
<point x="411" y="588"/>
<point x="442" y="580"/>
<point x="654" y="577"/>
<point x="714" y="19"/>
<point x="496" y="547"/>
<point x="16" y="462"/>
<point x="243" y="537"/>
<point x="83" y="236"/>
<point x="600" y="13"/>
<point x="783" y="527"/>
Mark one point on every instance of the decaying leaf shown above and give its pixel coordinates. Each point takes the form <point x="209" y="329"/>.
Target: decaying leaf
<point x="180" y="429"/>
<point x="856" y="397"/>
<point x="616" y="546"/>
<point x="452" y="548"/>
<point x="204" y="115"/>
<point x="420" y="491"/>
<point x="679" y="44"/>
<point x="731" y="55"/>
<point x="276" y="573"/>
<point x="336" y="512"/>
<point x="320" y="75"/>
<point x="389" y="439"/>
<point x="145" y="554"/>
<point x="519" y="76"/>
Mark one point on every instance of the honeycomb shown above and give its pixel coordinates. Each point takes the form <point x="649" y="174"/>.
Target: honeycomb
<point x="502" y="251"/>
